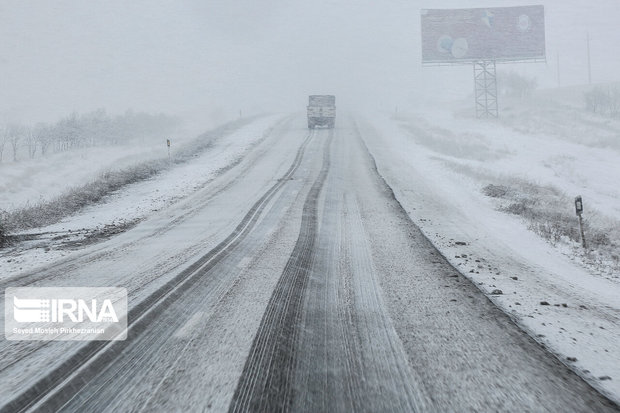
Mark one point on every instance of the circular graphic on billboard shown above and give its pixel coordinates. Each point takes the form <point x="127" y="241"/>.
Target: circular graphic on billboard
<point x="488" y="19"/>
<point x="444" y="44"/>
<point x="459" y="48"/>
<point x="524" y="23"/>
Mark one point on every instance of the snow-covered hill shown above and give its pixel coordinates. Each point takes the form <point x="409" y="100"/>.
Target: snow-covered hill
<point x="497" y="199"/>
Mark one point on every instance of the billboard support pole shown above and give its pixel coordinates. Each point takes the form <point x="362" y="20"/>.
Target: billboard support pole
<point x="485" y="85"/>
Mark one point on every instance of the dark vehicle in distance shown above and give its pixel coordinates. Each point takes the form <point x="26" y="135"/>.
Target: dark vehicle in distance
<point x="321" y="111"/>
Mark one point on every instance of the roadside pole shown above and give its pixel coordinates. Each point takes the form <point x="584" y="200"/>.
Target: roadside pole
<point x="168" y="143"/>
<point x="579" y="211"/>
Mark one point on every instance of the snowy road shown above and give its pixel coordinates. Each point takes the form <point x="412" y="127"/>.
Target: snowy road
<point x="293" y="282"/>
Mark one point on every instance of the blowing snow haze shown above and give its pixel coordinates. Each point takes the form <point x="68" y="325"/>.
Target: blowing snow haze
<point x="288" y="212"/>
<point x="214" y="58"/>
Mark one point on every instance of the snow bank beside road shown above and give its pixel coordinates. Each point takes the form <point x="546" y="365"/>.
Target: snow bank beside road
<point x="34" y="180"/>
<point x="438" y="178"/>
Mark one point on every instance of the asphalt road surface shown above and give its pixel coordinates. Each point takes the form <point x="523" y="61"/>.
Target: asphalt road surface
<point x="295" y="282"/>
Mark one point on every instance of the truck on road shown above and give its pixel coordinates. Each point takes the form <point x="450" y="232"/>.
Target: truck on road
<point x="321" y="111"/>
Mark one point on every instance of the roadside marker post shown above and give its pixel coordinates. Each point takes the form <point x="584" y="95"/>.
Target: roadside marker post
<point x="168" y="143"/>
<point x="579" y="211"/>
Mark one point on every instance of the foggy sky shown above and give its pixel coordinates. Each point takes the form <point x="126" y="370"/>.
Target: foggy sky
<point x="213" y="58"/>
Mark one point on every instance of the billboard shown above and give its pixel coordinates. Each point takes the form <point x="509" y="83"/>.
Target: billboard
<point x="496" y="33"/>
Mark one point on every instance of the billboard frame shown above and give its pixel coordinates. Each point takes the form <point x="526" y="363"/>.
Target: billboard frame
<point x="485" y="89"/>
<point x="470" y="62"/>
<point x="484" y="61"/>
<point x="449" y="35"/>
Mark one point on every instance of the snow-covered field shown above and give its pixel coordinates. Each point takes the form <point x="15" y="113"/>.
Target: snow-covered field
<point x="131" y="204"/>
<point x="34" y="180"/>
<point x="439" y="162"/>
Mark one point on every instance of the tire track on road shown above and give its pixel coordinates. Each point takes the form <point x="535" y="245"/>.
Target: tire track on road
<point x="265" y="384"/>
<point x="469" y="354"/>
<point x="25" y="349"/>
<point x="19" y="351"/>
<point x="350" y="356"/>
<point x="56" y="387"/>
<point x="74" y="263"/>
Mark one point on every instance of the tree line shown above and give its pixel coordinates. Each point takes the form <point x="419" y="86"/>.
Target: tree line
<point x="87" y="130"/>
<point x="604" y="100"/>
<point x="515" y="85"/>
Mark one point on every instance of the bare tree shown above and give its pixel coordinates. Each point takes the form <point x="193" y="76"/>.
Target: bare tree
<point x="514" y="84"/>
<point x="597" y="100"/>
<point x="4" y="137"/>
<point x="31" y="141"/>
<point x="44" y="137"/>
<point x="605" y="101"/>
<point x="15" y="135"/>
<point x="614" y="101"/>
<point x="88" y="130"/>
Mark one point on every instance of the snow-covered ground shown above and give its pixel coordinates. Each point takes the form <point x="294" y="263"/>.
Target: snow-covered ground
<point x="201" y="202"/>
<point x="132" y="203"/>
<point x="30" y="181"/>
<point x="438" y="163"/>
